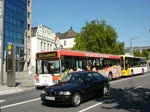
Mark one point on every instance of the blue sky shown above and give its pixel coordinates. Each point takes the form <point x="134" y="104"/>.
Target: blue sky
<point x="130" y="18"/>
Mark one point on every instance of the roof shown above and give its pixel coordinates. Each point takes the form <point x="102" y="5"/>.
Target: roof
<point x="52" y="54"/>
<point x="68" y="34"/>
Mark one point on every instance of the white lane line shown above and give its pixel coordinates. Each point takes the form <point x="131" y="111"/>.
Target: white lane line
<point x="135" y="88"/>
<point x="91" y="106"/>
<point x="15" y="104"/>
<point x="2" y="101"/>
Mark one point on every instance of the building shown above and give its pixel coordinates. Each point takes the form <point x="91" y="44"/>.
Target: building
<point x="129" y="49"/>
<point x="67" y="38"/>
<point x="43" y="39"/>
<point x="15" y="24"/>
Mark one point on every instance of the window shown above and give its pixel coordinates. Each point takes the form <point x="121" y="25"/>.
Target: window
<point x="97" y="76"/>
<point x="29" y="2"/>
<point x="48" y="46"/>
<point x="56" y="45"/>
<point x="89" y="77"/>
<point x="44" y="46"/>
<point x="64" y="43"/>
<point x="28" y="26"/>
<point x="28" y="14"/>
<point x="41" y="46"/>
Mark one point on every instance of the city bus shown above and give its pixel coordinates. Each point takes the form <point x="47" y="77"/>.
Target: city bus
<point x="133" y="65"/>
<point x="52" y="65"/>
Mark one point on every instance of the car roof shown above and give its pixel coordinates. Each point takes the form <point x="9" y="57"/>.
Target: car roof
<point x="83" y="72"/>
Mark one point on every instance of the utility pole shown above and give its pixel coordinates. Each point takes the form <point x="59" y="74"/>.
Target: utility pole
<point x="2" y="50"/>
<point x="131" y="48"/>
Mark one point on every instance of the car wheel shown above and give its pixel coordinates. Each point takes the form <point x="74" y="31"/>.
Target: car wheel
<point x="105" y="90"/>
<point x="76" y="99"/>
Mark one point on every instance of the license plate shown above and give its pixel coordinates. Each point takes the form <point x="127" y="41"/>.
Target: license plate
<point x="49" y="98"/>
<point x="45" y="84"/>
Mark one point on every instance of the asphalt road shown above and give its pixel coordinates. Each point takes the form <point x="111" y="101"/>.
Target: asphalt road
<point x="130" y="94"/>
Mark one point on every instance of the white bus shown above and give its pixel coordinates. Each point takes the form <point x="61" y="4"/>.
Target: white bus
<point x="133" y="65"/>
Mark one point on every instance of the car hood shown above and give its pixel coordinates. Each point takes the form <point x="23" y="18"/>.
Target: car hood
<point x="65" y="86"/>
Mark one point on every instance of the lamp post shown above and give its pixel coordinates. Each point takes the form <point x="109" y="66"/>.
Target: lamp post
<point x="131" y="48"/>
<point x="2" y="49"/>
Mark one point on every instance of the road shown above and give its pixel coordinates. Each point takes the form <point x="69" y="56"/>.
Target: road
<point x="130" y="94"/>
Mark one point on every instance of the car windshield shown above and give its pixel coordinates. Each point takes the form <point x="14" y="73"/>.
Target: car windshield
<point x="72" y="77"/>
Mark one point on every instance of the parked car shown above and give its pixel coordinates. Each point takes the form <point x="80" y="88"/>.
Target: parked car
<point x="75" y="87"/>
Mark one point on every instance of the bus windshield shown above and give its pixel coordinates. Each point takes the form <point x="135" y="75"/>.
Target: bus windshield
<point x="48" y="67"/>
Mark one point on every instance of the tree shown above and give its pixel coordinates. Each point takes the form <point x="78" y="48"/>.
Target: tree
<point x="144" y="53"/>
<point x="138" y="53"/>
<point x="97" y="36"/>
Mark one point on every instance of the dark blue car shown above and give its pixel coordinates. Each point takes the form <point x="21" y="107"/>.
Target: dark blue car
<point x="75" y="87"/>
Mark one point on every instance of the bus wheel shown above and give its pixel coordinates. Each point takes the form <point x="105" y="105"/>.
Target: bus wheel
<point x="110" y="76"/>
<point x="132" y="73"/>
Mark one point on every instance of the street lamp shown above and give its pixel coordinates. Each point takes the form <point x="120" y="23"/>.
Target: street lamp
<point x="2" y="30"/>
<point x="131" y="48"/>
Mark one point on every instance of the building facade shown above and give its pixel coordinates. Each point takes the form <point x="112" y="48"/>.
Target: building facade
<point x="67" y="38"/>
<point x="43" y="39"/>
<point x="15" y="27"/>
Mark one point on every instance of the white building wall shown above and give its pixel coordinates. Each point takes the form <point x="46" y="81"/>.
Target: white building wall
<point x="34" y="46"/>
<point x="43" y="41"/>
<point x="69" y="42"/>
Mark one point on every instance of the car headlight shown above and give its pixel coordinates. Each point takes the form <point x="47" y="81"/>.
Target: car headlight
<point x="64" y="93"/>
<point x="43" y="92"/>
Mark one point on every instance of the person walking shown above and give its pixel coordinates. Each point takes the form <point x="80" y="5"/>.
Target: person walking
<point x="29" y="70"/>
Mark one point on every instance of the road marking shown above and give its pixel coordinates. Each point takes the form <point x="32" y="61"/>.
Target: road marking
<point x="128" y="78"/>
<point x="15" y="104"/>
<point x="106" y="100"/>
<point x="91" y="106"/>
<point x="135" y="88"/>
<point x="2" y="101"/>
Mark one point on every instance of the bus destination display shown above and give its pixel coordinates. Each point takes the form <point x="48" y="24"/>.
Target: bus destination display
<point x="47" y="55"/>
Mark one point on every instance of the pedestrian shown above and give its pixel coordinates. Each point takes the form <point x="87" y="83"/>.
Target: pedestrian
<point x="29" y="70"/>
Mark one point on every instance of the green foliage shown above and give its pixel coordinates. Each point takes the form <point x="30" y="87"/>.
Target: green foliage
<point x="97" y="36"/>
<point x="138" y="53"/>
<point x="144" y="53"/>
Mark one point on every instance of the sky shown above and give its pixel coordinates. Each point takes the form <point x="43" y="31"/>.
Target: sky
<point x="129" y="18"/>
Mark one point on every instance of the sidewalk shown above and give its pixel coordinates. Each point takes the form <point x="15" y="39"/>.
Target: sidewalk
<point x="23" y="82"/>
